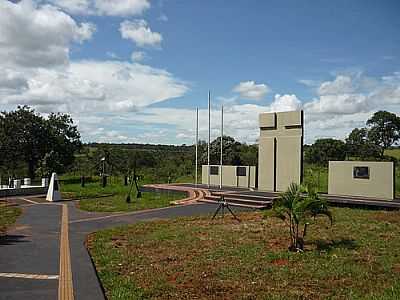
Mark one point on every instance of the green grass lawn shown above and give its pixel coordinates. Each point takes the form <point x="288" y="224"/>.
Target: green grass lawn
<point x="113" y="197"/>
<point x="195" y="258"/>
<point x="8" y="216"/>
<point x="393" y="152"/>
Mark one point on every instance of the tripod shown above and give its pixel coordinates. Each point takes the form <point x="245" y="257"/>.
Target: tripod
<point x="222" y="205"/>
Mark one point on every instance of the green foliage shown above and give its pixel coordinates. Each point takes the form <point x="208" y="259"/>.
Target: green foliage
<point x="324" y="150"/>
<point x="297" y="209"/>
<point x="384" y="129"/>
<point x="27" y="138"/>
<point x="358" y="145"/>
<point x="159" y="163"/>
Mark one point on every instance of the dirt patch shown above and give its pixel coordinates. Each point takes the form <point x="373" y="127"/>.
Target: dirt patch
<point x="396" y="268"/>
<point x="387" y="216"/>
<point x="280" y="262"/>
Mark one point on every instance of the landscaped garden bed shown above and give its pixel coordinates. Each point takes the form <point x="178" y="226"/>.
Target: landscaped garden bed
<point x="195" y="258"/>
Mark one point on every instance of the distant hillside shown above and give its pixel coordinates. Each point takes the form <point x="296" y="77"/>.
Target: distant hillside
<point x="143" y="147"/>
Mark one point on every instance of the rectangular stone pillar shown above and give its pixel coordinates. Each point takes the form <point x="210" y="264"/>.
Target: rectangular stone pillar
<point x="280" y="156"/>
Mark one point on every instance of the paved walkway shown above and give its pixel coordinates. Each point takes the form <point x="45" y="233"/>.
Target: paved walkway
<point x="38" y="257"/>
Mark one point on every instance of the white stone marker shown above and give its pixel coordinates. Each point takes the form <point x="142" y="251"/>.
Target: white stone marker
<point x="53" y="193"/>
<point x="27" y="181"/>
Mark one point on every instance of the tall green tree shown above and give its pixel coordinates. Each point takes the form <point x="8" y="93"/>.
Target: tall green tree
<point x="29" y="138"/>
<point x="384" y="129"/>
<point x="324" y="150"/>
<point x="359" y="145"/>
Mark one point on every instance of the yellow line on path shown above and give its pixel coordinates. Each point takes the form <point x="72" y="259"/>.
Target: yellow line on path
<point x="65" y="287"/>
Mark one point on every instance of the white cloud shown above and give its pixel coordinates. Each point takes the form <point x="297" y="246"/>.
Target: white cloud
<point x="93" y="86"/>
<point x="138" y="56"/>
<point x="140" y="33"/>
<point x="341" y="84"/>
<point x="285" y="103"/>
<point x="338" y="104"/>
<point x="38" y="36"/>
<point x="251" y="90"/>
<point x="308" y="82"/>
<point x="103" y="7"/>
<point x="121" y="7"/>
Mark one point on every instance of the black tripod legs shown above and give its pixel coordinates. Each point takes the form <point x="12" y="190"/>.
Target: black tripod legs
<point x="216" y="212"/>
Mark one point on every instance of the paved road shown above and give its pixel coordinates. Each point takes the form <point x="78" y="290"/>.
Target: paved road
<point x="33" y="247"/>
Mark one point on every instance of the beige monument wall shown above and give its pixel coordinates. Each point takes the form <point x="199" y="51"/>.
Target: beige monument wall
<point x="280" y="150"/>
<point x="229" y="177"/>
<point x="378" y="183"/>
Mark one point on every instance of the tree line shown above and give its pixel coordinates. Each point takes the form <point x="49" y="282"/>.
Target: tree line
<point x="34" y="145"/>
<point x="381" y="132"/>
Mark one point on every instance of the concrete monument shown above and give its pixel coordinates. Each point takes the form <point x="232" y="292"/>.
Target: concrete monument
<point x="362" y="178"/>
<point x="280" y="153"/>
<point x="234" y="176"/>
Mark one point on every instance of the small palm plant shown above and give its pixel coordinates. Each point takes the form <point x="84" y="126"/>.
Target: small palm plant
<point x="297" y="209"/>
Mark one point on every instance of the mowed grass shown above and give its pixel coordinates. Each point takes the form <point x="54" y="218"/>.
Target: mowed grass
<point x="112" y="198"/>
<point x="195" y="258"/>
<point x="8" y="216"/>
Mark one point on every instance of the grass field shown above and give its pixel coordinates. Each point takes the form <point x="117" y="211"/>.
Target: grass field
<point x="195" y="258"/>
<point x="113" y="197"/>
<point x="8" y="216"/>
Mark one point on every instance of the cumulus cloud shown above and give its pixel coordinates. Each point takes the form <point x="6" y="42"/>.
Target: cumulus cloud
<point x="347" y="102"/>
<point x="251" y="90"/>
<point x="103" y="7"/>
<point x="285" y="103"/>
<point x="38" y="36"/>
<point x="96" y="86"/>
<point x="121" y="7"/>
<point x="341" y="84"/>
<point x="140" y="33"/>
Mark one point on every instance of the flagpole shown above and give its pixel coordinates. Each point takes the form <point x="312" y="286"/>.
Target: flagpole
<point x="222" y="136"/>
<point x="197" y="141"/>
<point x="209" y="136"/>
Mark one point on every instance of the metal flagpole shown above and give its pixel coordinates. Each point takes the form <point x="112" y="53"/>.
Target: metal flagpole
<point x="209" y="136"/>
<point x="222" y="136"/>
<point x="197" y="141"/>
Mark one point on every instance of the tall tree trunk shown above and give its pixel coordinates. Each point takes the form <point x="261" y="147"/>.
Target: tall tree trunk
<point x="31" y="169"/>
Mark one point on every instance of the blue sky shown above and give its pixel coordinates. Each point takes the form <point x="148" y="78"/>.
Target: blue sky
<point x="337" y="60"/>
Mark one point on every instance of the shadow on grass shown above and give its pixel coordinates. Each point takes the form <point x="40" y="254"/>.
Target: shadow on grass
<point x="323" y="245"/>
<point x="12" y="239"/>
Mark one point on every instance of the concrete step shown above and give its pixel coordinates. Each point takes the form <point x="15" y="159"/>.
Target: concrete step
<point x="251" y="197"/>
<point x="254" y="206"/>
<point x="238" y="201"/>
<point x="229" y="199"/>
